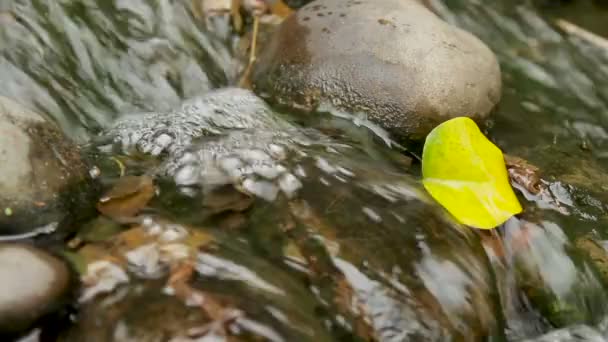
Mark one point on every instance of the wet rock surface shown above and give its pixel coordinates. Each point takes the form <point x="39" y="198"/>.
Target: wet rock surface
<point x="303" y="182"/>
<point x="392" y="62"/>
<point x="34" y="284"/>
<point x="44" y="177"/>
<point x="307" y="181"/>
<point x="215" y="113"/>
<point x="183" y="283"/>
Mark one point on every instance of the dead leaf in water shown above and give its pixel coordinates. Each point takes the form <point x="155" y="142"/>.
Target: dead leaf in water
<point x="219" y="313"/>
<point x="77" y="261"/>
<point x="198" y="238"/>
<point x="233" y="221"/>
<point x="227" y="199"/>
<point x="127" y="197"/>
<point x="523" y="173"/>
<point x="96" y="252"/>
<point x="140" y="249"/>
<point x="131" y="239"/>
<point x="99" y="229"/>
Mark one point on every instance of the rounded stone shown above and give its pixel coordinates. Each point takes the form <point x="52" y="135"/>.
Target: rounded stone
<point x="392" y="61"/>
<point x="34" y="283"/>
<point x="43" y="175"/>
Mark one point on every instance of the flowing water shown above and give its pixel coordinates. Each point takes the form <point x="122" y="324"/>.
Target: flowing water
<point x="361" y="251"/>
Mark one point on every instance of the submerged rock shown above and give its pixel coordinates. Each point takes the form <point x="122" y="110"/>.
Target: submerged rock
<point x="172" y="282"/>
<point x="390" y="61"/>
<point x="43" y="178"/>
<point x="381" y="258"/>
<point x="33" y="285"/>
<point x="393" y="268"/>
<point x="215" y="113"/>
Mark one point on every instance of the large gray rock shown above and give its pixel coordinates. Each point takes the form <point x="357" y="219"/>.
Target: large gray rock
<point x="392" y="60"/>
<point x="33" y="284"/>
<point x="43" y="175"/>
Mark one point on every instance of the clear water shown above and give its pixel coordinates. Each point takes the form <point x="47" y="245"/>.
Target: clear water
<point x="361" y="251"/>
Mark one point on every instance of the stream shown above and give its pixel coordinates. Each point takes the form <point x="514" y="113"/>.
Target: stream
<point x="360" y="254"/>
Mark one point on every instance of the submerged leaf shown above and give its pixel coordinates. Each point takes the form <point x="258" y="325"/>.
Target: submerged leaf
<point x="466" y="174"/>
<point x="77" y="261"/>
<point x="127" y="197"/>
<point x="524" y="174"/>
<point x="98" y="229"/>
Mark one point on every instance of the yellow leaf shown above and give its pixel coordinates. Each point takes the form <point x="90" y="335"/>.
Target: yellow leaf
<point x="466" y="174"/>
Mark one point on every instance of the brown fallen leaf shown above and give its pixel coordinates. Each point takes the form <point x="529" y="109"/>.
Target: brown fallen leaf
<point x="524" y="174"/>
<point x="179" y="280"/>
<point x="117" y="246"/>
<point x="127" y="197"/>
<point x="493" y="242"/>
<point x="198" y="239"/>
<point x="233" y="221"/>
<point x="130" y="239"/>
<point x="220" y="314"/>
<point x="99" y="229"/>
<point x="96" y="252"/>
<point x="227" y="199"/>
<point x="318" y="258"/>
<point x="526" y="178"/>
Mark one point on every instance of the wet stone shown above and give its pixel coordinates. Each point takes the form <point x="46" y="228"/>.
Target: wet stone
<point x="376" y="271"/>
<point x="392" y="62"/>
<point x="225" y="137"/>
<point x="176" y="283"/>
<point x="382" y="259"/>
<point x="214" y="113"/>
<point x="44" y="178"/>
<point x="33" y="285"/>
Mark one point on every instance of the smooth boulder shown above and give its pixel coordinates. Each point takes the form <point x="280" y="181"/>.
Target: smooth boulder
<point x="44" y="178"/>
<point x="34" y="284"/>
<point x="393" y="62"/>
